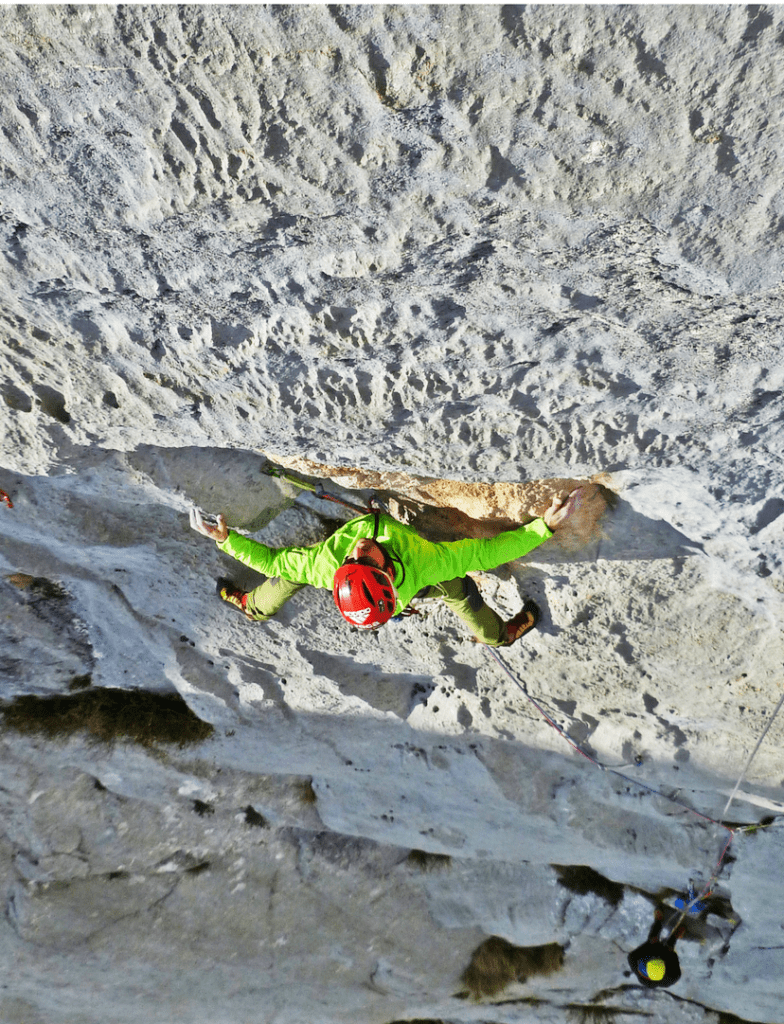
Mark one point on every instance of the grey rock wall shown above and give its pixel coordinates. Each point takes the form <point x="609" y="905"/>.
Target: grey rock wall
<point x="480" y="243"/>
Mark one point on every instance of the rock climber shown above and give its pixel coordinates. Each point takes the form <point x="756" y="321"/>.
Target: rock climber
<point x="655" y="963"/>
<point x="375" y="566"/>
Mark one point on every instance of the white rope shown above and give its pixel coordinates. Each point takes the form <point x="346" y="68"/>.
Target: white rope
<point x="751" y="758"/>
<point x="714" y="877"/>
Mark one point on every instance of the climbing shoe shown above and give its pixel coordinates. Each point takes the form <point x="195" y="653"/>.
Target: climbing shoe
<point x="229" y="592"/>
<point x="525" y="620"/>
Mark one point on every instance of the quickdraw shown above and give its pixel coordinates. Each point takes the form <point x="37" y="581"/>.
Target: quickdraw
<point x="372" y="506"/>
<point x="6" y="499"/>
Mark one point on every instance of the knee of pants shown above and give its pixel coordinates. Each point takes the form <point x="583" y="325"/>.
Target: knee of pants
<point x="462" y="588"/>
<point x="473" y="596"/>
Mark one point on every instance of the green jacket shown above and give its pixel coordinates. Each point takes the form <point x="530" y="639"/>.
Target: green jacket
<point x="418" y="562"/>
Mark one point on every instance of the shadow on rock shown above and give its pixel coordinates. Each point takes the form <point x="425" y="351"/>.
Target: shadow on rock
<point x="629" y="535"/>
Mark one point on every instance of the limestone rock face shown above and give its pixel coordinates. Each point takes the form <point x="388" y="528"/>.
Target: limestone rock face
<point x="450" y="509"/>
<point x="467" y="257"/>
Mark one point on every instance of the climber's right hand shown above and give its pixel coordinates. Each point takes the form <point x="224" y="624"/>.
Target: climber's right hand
<point x="217" y="531"/>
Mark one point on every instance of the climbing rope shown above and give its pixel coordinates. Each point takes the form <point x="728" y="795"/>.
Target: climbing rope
<point x="373" y="503"/>
<point x="599" y="764"/>
<point x="752" y="756"/>
<point x="714" y="877"/>
<point x="708" y="888"/>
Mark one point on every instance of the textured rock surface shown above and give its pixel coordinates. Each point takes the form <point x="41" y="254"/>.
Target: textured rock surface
<point x="483" y="244"/>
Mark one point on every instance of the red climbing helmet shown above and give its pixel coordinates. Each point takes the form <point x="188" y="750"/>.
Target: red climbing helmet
<point x="365" y="595"/>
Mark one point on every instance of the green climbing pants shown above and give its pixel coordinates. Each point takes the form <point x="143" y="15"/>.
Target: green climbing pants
<point x="268" y="598"/>
<point x="463" y="597"/>
<point x="460" y="594"/>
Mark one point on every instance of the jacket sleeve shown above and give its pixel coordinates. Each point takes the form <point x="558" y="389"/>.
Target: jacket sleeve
<point x="293" y="564"/>
<point x="456" y="558"/>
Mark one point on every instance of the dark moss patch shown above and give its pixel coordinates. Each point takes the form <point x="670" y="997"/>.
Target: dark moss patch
<point x="306" y="794"/>
<point x="38" y="586"/>
<point x="254" y="819"/>
<point x="81" y="682"/>
<point x="107" y="715"/>
<point x="429" y="861"/>
<point x="198" y="868"/>
<point x="497" y="963"/>
<point x="418" y="1020"/>
<point x="579" y="879"/>
<point x="201" y="808"/>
